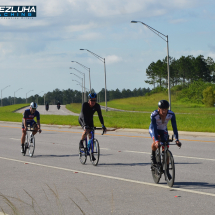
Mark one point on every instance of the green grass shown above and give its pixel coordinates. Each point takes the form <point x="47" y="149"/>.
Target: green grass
<point x="149" y="103"/>
<point x="199" y="119"/>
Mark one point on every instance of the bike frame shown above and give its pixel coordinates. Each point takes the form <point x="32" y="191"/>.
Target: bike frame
<point x="91" y="142"/>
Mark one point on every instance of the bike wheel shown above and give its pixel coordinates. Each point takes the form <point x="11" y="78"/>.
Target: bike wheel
<point x="95" y="152"/>
<point x="157" y="169"/>
<point x="83" y="153"/>
<point x="169" y="169"/>
<point x="31" y="146"/>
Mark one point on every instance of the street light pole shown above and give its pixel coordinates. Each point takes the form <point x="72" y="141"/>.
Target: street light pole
<point x="102" y="59"/>
<point x="27" y="94"/>
<point x="86" y="69"/>
<point x="1" y="93"/>
<point x="82" y="88"/>
<point x="38" y="95"/>
<point x="82" y="85"/>
<point x="15" y="92"/>
<point x="166" y="40"/>
<point x="85" y="99"/>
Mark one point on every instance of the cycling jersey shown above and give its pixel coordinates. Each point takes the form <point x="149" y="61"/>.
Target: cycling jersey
<point x="30" y="116"/>
<point x="87" y="112"/>
<point x="157" y="127"/>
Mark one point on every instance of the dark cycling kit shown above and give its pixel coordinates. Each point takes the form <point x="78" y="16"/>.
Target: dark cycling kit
<point x="30" y="117"/>
<point x="86" y="115"/>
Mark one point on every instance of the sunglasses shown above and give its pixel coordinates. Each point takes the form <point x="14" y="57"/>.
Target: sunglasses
<point x="94" y="100"/>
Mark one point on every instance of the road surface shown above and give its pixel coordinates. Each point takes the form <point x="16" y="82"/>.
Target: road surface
<point x="57" y="183"/>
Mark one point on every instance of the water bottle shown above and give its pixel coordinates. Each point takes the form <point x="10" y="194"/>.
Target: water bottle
<point x="88" y="144"/>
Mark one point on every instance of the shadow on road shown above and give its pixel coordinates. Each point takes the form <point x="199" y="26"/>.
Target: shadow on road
<point x="194" y="185"/>
<point x="124" y="164"/>
<point x="58" y="156"/>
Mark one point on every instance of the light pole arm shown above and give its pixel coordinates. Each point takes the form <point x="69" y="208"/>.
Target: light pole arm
<point x="97" y="56"/>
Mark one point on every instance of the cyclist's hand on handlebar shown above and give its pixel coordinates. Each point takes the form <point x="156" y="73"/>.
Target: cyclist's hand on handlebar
<point x="104" y="129"/>
<point x="86" y="127"/>
<point x="178" y="143"/>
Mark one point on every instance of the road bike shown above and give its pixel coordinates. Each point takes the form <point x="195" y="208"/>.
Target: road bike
<point x="58" y="107"/>
<point x="91" y="148"/>
<point x="165" y="164"/>
<point x="29" y="142"/>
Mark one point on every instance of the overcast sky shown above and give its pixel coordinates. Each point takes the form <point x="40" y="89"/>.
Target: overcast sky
<point x="35" y="54"/>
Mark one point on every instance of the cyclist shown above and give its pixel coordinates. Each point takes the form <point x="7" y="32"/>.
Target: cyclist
<point x="158" y="127"/>
<point x="86" y="117"/>
<point x="58" y="105"/>
<point x="47" y="106"/>
<point x="28" y="119"/>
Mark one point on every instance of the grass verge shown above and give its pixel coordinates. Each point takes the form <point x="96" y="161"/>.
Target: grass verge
<point x="204" y="122"/>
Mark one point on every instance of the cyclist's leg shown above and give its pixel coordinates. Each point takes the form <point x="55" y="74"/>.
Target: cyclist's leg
<point x="23" y="137"/>
<point x="34" y="126"/>
<point x="154" y="147"/>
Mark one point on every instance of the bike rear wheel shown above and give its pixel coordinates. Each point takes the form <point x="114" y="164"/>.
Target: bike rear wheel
<point x="83" y="153"/>
<point x="95" y="152"/>
<point x="31" y="146"/>
<point x="157" y="169"/>
<point x="169" y="169"/>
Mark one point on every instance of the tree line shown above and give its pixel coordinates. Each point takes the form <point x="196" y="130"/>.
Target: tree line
<point x="74" y="96"/>
<point x="184" y="70"/>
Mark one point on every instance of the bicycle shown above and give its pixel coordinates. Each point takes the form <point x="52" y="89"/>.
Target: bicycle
<point x="92" y="149"/>
<point x="29" y="143"/>
<point x="165" y="164"/>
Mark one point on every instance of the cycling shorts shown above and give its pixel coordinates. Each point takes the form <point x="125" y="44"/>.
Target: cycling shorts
<point x="163" y="134"/>
<point x="31" y="124"/>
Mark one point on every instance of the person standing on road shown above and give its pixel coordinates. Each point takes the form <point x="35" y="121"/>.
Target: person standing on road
<point x="158" y="127"/>
<point x="28" y="120"/>
<point x="86" y="117"/>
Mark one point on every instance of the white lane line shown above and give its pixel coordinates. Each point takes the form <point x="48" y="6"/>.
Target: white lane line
<point x="15" y="139"/>
<point x="104" y="148"/>
<point x="208" y="159"/>
<point x="112" y="177"/>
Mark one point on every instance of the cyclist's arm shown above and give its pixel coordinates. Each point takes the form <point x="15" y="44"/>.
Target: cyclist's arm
<point x="25" y="119"/>
<point x="154" y="128"/>
<point x="38" y="120"/>
<point x="100" y="115"/>
<point x="174" y="127"/>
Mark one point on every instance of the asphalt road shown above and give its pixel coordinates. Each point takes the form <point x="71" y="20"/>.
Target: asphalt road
<point x="52" y="110"/>
<point x="57" y="183"/>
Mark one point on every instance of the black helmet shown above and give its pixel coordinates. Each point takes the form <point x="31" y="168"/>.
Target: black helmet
<point x="163" y="104"/>
<point x="92" y="96"/>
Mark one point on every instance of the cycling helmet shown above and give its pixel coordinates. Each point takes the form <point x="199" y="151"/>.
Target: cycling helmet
<point x="163" y="104"/>
<point x="92" y="96"/>
<point x="33" y="105"/>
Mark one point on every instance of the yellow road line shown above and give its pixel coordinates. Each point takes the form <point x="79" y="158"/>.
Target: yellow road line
<point x="117" y="135"/>
<point x="112" y="177"/>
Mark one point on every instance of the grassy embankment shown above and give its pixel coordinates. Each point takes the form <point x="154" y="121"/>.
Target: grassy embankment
<point x="190" y="116"/>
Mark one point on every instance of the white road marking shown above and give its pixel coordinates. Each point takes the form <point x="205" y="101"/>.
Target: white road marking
<point x="104" y="148"/>
<point x="208" y="159"/>
<point x="112" y="177"/>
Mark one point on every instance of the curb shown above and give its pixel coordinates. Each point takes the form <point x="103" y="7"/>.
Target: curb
<point x="126" y="130"/>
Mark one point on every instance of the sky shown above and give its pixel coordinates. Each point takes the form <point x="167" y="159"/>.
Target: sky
<point x="36" y="54"/>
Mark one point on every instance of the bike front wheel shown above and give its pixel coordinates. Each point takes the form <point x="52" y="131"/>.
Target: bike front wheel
<point x="31" y="146"/>
<point x="95" y="152"/>
<point x="169" y="169"/>
<point x="83" y="153"/>
<point x="157" y="169"/>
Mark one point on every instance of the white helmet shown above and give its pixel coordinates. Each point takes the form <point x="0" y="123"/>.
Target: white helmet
<point x="33" y="105"/>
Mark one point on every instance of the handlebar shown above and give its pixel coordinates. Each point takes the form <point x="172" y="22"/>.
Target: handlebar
<point x="95" y="128"/>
